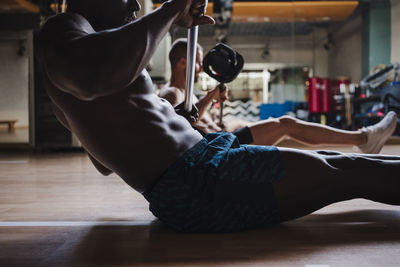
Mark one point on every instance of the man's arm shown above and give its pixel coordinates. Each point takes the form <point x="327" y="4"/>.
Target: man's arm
<point x="61" y="118"/>
<point x="100" y="167"/>
<point x="215" y="94"/>
<point x="91" y="64"/>
<point x="174" y="96"/>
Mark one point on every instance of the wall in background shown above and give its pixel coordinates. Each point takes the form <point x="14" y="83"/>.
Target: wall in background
<point x="341" y="58"/>
<point x="14" y="78"/>
<point x="320" y="53"/>
<point x="290" y="51"/>
<point x="345" y="52"/>
<point x="395" y="55"/>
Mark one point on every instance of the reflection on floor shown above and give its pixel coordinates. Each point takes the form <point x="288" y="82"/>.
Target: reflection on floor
<point x="19" y="135"/>
<point x="56" y="210"/>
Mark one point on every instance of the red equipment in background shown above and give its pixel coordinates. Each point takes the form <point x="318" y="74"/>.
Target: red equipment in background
<point x="320" y="95"/>
<point x="314" y="95"/>
<point x="329" y="101"/>
<point x="326" y="95"/>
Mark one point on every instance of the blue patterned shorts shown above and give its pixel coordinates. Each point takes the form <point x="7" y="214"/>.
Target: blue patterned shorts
<point x="219" y="186"/>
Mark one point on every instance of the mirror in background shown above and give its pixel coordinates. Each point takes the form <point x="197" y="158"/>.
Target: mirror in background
<point x="15" y="51"/>
<point x="261" y="85"/>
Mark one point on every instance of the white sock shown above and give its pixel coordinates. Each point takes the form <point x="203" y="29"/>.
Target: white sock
<point x="378" y="134"/>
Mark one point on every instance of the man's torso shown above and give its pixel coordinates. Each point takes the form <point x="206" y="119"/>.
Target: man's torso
<point x="132" y="132"/>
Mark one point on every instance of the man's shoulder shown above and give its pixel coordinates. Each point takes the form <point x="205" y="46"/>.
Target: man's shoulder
<point x="168" y="89"/>
<point x="171" y="93"/>
<point x="61" y="28"/>
<point x="65" y="22"/>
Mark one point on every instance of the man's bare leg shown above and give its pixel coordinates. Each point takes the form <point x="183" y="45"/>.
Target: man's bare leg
<point x="234" y="124"/>
<point x="271" y="131"/>
<point x="314" y="180"/>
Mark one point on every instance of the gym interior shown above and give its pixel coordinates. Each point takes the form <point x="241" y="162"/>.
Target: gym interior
<point x="334" y="63"/>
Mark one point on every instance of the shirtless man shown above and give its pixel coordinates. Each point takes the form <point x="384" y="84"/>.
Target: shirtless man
<point x="94" y="58"/>
<point x="271" y="131"/>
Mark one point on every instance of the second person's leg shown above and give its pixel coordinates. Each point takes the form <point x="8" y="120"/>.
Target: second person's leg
<point x="369" y="140"/>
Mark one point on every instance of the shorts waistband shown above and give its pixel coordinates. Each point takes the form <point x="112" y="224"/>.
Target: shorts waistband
<point x="192" y="154"/>
<point x="218" y="139"/>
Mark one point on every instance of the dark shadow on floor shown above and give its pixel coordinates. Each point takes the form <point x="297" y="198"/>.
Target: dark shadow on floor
<point x="155" y="244"/>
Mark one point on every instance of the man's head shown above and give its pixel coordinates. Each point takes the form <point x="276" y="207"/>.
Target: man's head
<point x="177" y="58"/>
<point x="105" y="14"/>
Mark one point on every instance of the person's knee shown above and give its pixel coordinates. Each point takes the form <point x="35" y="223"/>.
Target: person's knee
<point x="286" y="119"/>
<point x="287" y="122"/>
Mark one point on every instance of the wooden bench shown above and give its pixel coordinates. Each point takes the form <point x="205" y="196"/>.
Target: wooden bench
<point x="11" y="124"/>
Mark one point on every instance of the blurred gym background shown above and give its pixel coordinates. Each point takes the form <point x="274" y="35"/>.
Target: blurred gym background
<point x="332" y="62"/>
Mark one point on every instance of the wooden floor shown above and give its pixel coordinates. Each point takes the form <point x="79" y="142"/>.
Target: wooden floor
<point x="20" y="135"/>
<point x="56" y="210"/>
